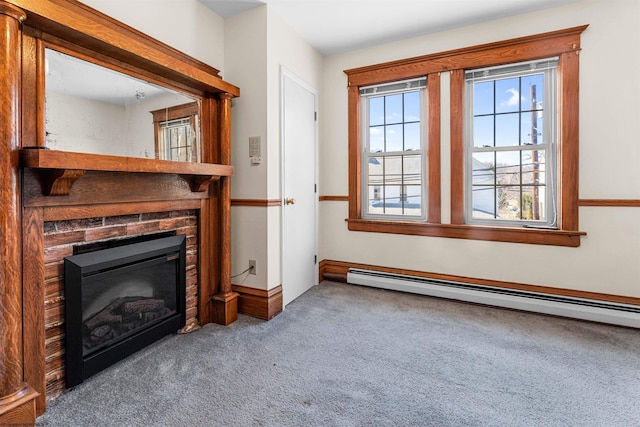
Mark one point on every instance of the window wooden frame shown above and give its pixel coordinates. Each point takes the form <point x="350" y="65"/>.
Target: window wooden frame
<point x="563" y="43"/>
<point x="190" y="111"/>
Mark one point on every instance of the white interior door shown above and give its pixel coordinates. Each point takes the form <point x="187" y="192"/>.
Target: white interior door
<point x="299" y="210"/>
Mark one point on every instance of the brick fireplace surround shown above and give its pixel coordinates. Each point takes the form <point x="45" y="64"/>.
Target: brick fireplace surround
<point x="59" y="240"/>
<point x="51" y="200"/>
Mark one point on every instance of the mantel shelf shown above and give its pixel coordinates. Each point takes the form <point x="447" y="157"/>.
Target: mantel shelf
<point x="63" y="168"/>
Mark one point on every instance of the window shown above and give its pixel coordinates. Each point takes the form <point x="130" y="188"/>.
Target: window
<point x="511" y="144"/>
<point x="513" y="156"/>
<point x="393" y="150"/>
<point x="176" y="131"/>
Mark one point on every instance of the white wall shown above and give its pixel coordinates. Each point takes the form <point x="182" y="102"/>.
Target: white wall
<point x="186" y="25"/>
<point x="79" y="124"/>
<point x="286" y="49"/>
<point x="257" y="43"/>
<point x="607" y="260"/>
<point x="246" y="66"/>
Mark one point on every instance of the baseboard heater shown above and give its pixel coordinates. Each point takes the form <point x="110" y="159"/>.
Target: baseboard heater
<point x="578" y="308"/>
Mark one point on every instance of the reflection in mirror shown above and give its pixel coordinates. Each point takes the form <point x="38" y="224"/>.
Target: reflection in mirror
<point x="93" y="109"/>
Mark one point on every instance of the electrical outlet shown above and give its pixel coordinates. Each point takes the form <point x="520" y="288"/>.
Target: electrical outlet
<point x="252" y="266"/>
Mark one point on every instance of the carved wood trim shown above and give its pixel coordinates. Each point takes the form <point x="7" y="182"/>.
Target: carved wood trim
<point x="58" y="182"/>
<point x="225" y="302"/>
<point x="120" y="184"/>
<point x="91" y="29"/>
<point x="61" y="172"/>
<point x="33" y="312"/>
<point x="13" y="391"/>
<point x="199" y="183"/>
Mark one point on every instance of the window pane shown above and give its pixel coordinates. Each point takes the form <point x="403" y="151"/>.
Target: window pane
<point x="412" y="170"/>
<point x="483" y="98"/>
<point x="412" y="107"/>
<point x="533" y="203"/>
<point x="376" y="139"/>
<point x="392" y="203"/>
<point x="376" y="111"/>
<point x="532" y="85"/>
<point x="533" y="167"/>
<point x="393" y="138"/>
<point x="393" y="170"/>
<point x="508" y="202"/>
<point x="483" y="131"/>
<point x="393" y="109"/>
<point x="483" y="170"/>
<point x="483" y="202"/>
<point x="413" y="203"/>
<point x="376" y="170"/>
<point x="508" y="167"/>
<point x="376" y="200"/>
<point x="532" y="127"/>
<point x="507" y="130"/>
<point x="411" y="136"/>
<point x="507" y="95"/>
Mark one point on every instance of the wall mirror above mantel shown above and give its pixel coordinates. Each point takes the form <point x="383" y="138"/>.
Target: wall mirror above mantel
<point x="93" y="109"/>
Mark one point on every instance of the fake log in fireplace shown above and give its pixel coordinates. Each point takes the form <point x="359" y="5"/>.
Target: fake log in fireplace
<point x="119" y="300"/>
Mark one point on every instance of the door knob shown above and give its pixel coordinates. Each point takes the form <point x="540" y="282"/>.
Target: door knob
<point x="290" y="201"/>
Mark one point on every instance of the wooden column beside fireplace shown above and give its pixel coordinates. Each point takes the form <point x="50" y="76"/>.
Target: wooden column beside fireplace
<point x="43" y="186"/>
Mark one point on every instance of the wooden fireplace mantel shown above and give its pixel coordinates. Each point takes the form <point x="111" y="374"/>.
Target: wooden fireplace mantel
<point x="63" y="168"/>
<point x="101" y="183"/>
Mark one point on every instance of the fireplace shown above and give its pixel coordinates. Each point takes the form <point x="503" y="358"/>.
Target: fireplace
<point x="121" y="299"/>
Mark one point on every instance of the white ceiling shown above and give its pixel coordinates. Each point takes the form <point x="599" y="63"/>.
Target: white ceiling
<point x="335" y="26"/>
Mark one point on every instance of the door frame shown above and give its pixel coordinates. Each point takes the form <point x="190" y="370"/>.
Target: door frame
<point x="285" y="73"/>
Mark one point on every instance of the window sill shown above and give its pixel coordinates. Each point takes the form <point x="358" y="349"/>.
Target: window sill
<point x="473" y="232"/>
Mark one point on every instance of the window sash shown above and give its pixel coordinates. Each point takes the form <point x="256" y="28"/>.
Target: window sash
<point x="548" y="68"/>
<point x="400" y="210"/>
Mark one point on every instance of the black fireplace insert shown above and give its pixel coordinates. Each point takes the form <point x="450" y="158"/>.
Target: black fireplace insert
<point x="121" y="299"/>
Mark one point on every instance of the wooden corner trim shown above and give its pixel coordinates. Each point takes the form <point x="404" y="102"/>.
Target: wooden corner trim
<point x="332" y="268"/>
<point x="260" y="303"/>
<point x="19" y="408"/>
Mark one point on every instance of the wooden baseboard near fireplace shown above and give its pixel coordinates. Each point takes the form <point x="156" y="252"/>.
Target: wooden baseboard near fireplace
<point x="259" y="303"/>
<point x="19" y="409"/>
